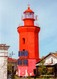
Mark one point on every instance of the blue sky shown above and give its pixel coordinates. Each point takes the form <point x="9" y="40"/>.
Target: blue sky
<point x="10" y="18"/>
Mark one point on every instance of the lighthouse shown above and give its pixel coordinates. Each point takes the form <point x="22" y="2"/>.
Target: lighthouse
<point x="28" y="44"/>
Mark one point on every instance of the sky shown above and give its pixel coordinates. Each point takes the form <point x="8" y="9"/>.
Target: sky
<point x="11" y="12"/>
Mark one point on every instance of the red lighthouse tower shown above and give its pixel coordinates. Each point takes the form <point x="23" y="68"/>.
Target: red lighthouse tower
<point x="29" y="44"/>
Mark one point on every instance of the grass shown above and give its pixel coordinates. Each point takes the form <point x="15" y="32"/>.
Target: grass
<point x="16" y="77"/>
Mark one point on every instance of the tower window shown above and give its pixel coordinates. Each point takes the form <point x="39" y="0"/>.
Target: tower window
<point x="19" y="62"/>
<point x="25" y="62"/>
<point x="23" y="40"/>
<point x="23" y="49"/>
<point x="23" y="53"/>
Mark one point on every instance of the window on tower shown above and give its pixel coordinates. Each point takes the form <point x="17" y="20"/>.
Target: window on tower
<point x="19" y="62"/>
<point x="23" y="40"/>
<point x="23" y="49"/>
<point x="29" y="15"/>
<point x="25" y="62"/>
<point x="23" y="53"/>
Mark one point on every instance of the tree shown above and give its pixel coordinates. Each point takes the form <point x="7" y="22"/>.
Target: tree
<point x="9" y="68"/>
<point x="42" y="70"/>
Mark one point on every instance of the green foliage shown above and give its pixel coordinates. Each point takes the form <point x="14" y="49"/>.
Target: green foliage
<point x="9" y="67"/>
<point x="45" y="72"/>
<point x="42" y="69"/>
<point x="50" y="70"/>
<point x="10" y="70"/>
<point x="16" y="77"/>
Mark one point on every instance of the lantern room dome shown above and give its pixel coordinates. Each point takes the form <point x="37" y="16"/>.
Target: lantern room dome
<point x="28" y="10"/>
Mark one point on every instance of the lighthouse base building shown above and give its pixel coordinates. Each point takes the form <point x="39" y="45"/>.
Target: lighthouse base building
<point x="28" y="44"/>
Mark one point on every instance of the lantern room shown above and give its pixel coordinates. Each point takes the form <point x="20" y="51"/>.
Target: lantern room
<point x="29" y="13"/>
<point x="28" y="17"/>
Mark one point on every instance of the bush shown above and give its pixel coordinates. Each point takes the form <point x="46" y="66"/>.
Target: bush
<point x="16" y="77"/>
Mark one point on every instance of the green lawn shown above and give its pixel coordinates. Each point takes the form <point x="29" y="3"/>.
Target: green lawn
<point x="16" y="77"/>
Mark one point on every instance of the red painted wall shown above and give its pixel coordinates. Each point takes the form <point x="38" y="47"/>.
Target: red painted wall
<point x="31" y="40"/>
<point x="29" y="68"/>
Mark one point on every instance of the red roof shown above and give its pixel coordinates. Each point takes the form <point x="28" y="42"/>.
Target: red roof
<point x="55" y="54"/>
<point x="28" y="10"/>
<point x="12" y="59"/>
